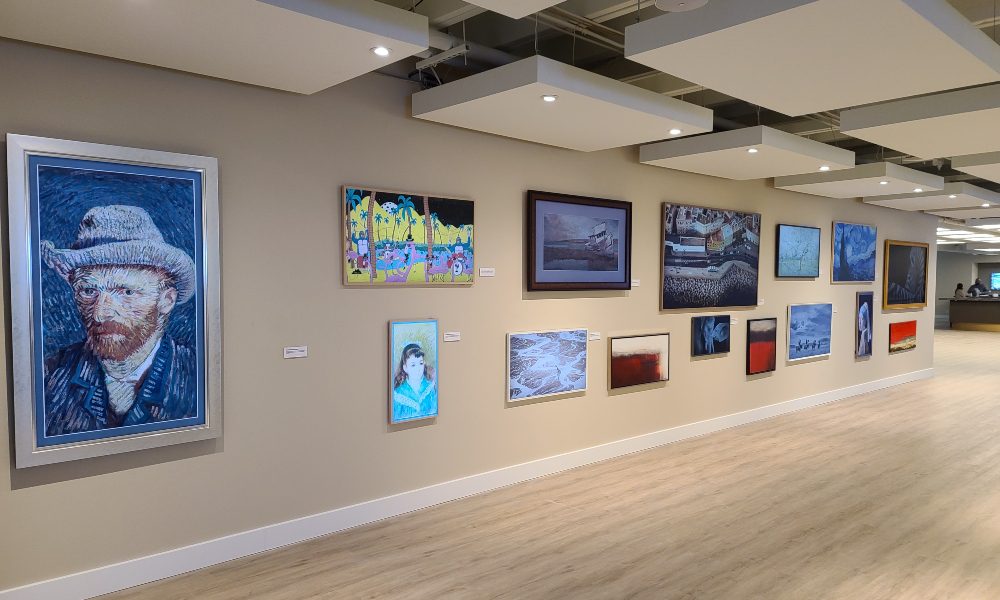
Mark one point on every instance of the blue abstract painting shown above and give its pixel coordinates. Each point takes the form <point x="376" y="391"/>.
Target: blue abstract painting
<point x="709" y="335"/>
<point x="546" y="363"/>
<point x="853" y="252"/>
<point x="798" y="251"/>
<point x="118" y="298"/>
<point x="810" y="328"/>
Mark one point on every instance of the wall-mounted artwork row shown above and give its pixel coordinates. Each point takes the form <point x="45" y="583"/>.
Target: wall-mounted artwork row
<point x="810" y="328"/>
<point x="853" y="253"/>
<point x="639" y="359"/>
<point x="546" y="363"/>
<point x="413" y="370"/>
<point x="797" y="251"/>
<point x="902" y="336"/>
<point x="710" y="257"/>
<point x="864" y="320"/>
<point x="116" y="335"/>
<point x="709" y="335"/>
<point x="762" y="345"/>
<point x="403" y="238"/>
<point x="904" y="282"/>
<point x="578" y="243"/>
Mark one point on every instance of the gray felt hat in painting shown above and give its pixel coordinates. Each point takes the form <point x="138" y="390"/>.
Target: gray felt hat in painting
<point x="125" y="236"/>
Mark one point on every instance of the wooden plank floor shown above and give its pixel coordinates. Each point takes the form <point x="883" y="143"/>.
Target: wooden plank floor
<point x="894" y="495"/>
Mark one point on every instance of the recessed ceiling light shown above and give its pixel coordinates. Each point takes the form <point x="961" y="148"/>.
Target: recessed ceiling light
<point x="883" y="182"/>
<point x="825" y="168"/>
<point x="549" y="97"/>
<point x="918" y="190"/>
<point x="381" y="51"/>
<point x="952" y="196"/>
<point x="752" y="150"/>
<point x="986" y="205"/>
<point x="675" y="131"/>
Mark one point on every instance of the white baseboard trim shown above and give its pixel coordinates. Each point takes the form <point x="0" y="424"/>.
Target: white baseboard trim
<point x="104" y="580"/>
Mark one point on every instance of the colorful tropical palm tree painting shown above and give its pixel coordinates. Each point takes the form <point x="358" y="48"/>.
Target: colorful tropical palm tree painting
<point x="400" y="238"/>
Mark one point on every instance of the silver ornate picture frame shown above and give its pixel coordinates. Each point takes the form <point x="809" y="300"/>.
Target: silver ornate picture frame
<point x="115" y="299"/>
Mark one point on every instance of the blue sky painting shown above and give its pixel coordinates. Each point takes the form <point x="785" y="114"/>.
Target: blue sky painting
<point x="809" y="330"/>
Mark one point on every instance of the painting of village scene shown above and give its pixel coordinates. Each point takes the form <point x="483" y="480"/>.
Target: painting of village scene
<point x="578" y="243"/>
<point x="810" y="327"/>
<point x="401" y="238"/>
<point x="710" y="257"/>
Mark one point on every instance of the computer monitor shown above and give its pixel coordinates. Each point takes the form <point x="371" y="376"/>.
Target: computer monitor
<point x="995" y="281"/>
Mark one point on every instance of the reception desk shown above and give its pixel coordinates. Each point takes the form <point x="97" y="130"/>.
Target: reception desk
<point x="975" y="314"/>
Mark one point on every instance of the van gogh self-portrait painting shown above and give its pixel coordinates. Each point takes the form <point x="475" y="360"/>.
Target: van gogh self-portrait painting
<point x="116" y="299"/>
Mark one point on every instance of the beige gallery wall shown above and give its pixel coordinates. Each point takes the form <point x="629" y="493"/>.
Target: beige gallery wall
<point x="306" y="436"/>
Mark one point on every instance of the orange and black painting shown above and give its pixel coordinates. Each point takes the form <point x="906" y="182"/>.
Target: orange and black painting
<point x="762" y="342"/>
<point x="638" y="360"/>
<point x="902" y="336"/>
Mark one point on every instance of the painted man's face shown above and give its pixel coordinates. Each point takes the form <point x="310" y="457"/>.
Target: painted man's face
<point x="121" y="307"/>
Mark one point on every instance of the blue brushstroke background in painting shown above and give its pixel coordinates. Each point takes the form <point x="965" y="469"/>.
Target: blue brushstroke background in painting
<point x="63" y="191"/>
<point x="854" y="252"/>
<point x="546" y="363"/>
<point x="809" y="330"/>
<point x="67" y="195"/>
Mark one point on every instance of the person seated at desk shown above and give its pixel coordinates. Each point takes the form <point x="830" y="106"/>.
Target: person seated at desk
<point x="978" y="289"/>
<point x="960" y="291"/>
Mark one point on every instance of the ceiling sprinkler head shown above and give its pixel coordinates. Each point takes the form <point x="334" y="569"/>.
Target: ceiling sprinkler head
<point x="679" y="5"/>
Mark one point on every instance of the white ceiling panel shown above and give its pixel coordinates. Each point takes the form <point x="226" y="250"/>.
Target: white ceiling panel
<point x="954" y="195"/>
<point x="300" y="46"/>
<point x="862" y="181"/>
<point x="946" y="124"/>
<point x="590" y="112"/>
<point x="515" y="9"/>
<point x="726" y="154"/>
<point x="968" y="213"/>
<point x="806" y="56"/>
<point x="985" y="166"/>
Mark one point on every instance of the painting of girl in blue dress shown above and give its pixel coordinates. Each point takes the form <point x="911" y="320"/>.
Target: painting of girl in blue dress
<point x="413" y="374"/>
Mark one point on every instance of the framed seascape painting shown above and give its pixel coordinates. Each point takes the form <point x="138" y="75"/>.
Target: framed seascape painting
<point x="710" y="257"/>
<point x="863" y="318"/>
<point x="115" y="307"/>
<point x="810" y="328"/>
<point x="639" y="359"/>
<point x="709" y="335"/>
<point x="797" y="251"/>
<point x="406" y="239"/>
<point x="902" y="336"/>
<point x="853" y="253"/>
<point x="762" y="346"/>
<point x="413" y="370"/>
<point x="904" y="281"/>
<point x="578" y="243"/>
<point x="546" y="363"/>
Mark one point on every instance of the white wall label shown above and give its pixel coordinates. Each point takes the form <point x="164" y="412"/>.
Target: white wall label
<point x="594" y="336"/>
<point x="760" y="302"/>
<point x="296" y="351"/>
<point x="453" y="336"/>
<point x="487" y="272"/>
<point x="635" y="283"/>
